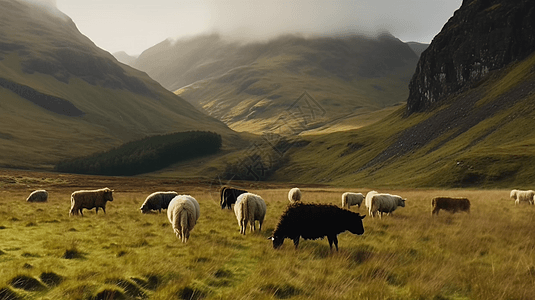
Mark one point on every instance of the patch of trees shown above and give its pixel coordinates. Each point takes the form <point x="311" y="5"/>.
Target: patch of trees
<point x="146" y="155"/>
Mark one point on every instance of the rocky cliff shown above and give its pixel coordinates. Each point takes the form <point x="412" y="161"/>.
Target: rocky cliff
<point x="482" y="35"/>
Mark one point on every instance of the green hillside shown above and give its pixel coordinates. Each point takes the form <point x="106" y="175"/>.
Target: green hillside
<point x="482" y="137"/>
<point x="62" y="96"/>
<point x="250" y="85"/>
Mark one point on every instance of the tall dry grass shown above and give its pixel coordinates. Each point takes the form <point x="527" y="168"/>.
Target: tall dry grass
<point x="487" y="254"/>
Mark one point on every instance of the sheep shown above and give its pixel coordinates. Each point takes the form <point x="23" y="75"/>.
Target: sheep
<point x="183" y="213"/>
<point x="368" y="200"/>
<point x="349" y="199"/>
<point x="525" y="196"/>
<point x="313" y="221"/>
<point x="451" y="204"/>
<point x="294" y="195"/>
<point x="385" y="203"/>
<point x="248" y="209"/>
<point x="38" y="196"/>
<point x="512" y="194"/>
<point x="157" y="201"/>
<point x="90" y="199"/>
<point x="228" y="196"/>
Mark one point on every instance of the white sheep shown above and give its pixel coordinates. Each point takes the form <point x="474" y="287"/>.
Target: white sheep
<point x="512" y="194"/>
<point x="248" y="209"/>
<point x="385" y="203"/>
<point x="525" y="196"/>
<point x="90" y="199"/>
<point x="183" y="213"/>
<point x="38" y="196"/>
<point x="294" y="195"/>
<point x="368" y="200"/>
<point x="349" y="199"/>
<point x="157" y="201"/>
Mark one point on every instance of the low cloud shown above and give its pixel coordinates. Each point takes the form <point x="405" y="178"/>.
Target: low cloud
<point x="50" y="3"/>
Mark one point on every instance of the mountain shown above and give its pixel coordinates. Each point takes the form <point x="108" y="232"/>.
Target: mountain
<point x="249" y="86"/>
<point x="499" y="32"/>
<point x="124" y="57"/>
<point x="62" y="96"/>
<point x="468" y="121"/>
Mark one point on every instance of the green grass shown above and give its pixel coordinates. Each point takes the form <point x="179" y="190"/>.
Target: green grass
<point x="410" y="255"/>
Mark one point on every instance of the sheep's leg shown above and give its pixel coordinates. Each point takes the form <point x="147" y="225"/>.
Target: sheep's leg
<point x="243" y="227"/>
<point x="81" y="212"/>
<point x="253" y="225"/>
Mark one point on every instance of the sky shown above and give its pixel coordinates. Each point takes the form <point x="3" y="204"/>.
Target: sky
<point x="136" y="25"/>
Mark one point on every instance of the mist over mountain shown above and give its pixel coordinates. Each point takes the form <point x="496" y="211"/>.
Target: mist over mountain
<point x="468" y="121"/>
<point x="242" y="82"/>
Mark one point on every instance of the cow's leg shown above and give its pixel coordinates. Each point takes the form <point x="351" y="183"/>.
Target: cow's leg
<point x="333" y="239"/>
<point x="296" y="242"/>
<point x="103" y="209"/>
<point x="96" y="211"/>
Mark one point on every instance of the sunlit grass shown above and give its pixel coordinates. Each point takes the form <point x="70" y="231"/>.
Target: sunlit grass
<point x="489" y="253"/>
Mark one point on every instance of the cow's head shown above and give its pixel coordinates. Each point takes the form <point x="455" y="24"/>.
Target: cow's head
<point x="356" y="226"/>
<point x="277" y="241"/>
<point x="108" y="194"/>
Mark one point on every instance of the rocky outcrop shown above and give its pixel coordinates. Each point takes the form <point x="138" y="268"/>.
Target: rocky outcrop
<point x="482" y="35"/>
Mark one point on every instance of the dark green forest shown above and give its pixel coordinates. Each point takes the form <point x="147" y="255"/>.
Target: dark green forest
<point x="146" y="155"/>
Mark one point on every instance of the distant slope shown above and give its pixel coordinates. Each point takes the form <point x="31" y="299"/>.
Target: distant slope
<point x="418" y="48"/>
<point x="124" y="57"/>
<point x="249" y="86"/>
<point x="63" y="97"/>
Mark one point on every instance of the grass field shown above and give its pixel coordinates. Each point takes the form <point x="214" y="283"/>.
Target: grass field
<point x="45" y="254"/>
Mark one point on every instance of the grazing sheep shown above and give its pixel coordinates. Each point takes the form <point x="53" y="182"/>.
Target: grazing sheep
<point x="294" y="195"/>
<point x="248" y="209"/>
<point x="451" y="204"/>
<point x="157" y="201"/>
<point x="512" y="194"/>
<point x="89" y="200"/>
<point x="368" y="200"/>
<point x="313" y="221"/>
<point x="38" y="196"/>
<point x="385" y="203"/>
<point x="525" y="196"/>
<point x="349" y="199"/>
<point x="229" y="196"/>
<point x="183" y="213"/>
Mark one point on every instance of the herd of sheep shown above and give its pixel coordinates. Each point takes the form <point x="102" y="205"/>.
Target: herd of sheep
<point x="299" y="220"/>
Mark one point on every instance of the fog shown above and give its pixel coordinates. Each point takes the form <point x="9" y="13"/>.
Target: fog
<point x="135" y="25"/>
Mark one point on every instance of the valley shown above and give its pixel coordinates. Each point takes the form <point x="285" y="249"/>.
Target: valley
<point x="411" y="254"/>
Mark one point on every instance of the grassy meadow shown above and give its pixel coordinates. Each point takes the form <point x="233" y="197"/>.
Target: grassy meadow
<point x="45" y="254"/>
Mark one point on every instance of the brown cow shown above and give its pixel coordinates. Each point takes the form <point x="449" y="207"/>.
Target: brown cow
<point x="451" y="204"/>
